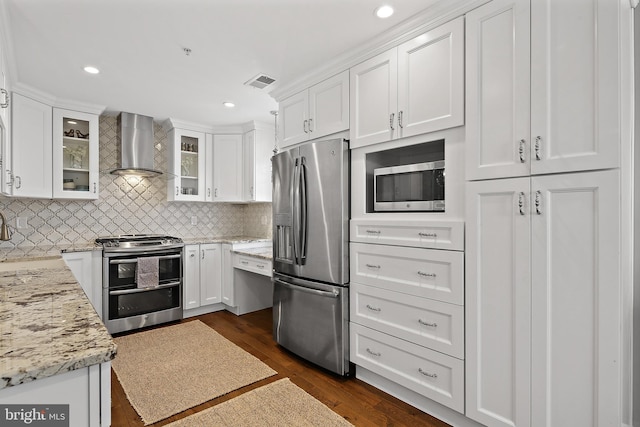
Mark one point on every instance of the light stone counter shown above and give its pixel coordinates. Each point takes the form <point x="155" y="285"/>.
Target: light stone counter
<point x="47" y="324"/>
<point x="231" y="240"/>
<point x="263" y="252"/>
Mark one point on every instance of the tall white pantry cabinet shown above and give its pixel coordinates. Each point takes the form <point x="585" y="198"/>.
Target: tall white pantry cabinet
<point x="544" y="295"/>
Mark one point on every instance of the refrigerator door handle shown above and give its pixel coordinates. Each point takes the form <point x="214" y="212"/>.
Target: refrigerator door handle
<point x="295" y="201"/>
<point x="303" y="211"/>
<point x="332" y="294"/>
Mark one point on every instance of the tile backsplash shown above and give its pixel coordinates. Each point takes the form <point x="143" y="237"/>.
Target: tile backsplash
<point x="128" y="205"/>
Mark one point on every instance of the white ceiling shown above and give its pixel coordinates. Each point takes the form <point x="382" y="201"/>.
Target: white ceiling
<point x="138" y="47"/>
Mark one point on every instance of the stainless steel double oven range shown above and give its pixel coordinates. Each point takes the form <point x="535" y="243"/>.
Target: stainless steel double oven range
<point x="125" y="305"/>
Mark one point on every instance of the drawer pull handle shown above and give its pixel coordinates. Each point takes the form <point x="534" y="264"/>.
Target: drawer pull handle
<point x="423" y="274"/>
<point x="260" y="265"/>
<point x="431" y="325"/>
<point x="377" y="267"/>
<point x="373" y="231"/>
<point x="373" y="353"/>
<point x="427" y="374"/>
<point x="374" y="308"/>
<point x="244" y="262"/>
<point x="432" y="235"/>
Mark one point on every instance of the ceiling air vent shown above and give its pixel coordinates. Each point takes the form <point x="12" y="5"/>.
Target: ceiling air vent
<point x="260" y="81"/>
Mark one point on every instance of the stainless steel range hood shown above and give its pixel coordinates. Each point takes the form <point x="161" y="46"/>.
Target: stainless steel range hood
<point x="136" y="151"/>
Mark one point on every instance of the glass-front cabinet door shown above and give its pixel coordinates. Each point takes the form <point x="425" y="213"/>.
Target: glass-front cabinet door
<point x="187" y="162"/>
<point x="75" y="155"/>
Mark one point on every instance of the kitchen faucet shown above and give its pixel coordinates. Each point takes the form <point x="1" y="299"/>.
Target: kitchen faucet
<point x="5" y="233"/>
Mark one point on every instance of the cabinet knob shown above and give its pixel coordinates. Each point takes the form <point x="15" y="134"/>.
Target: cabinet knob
<point x="537" y="148"/>
<point x="192" y="255"/>
<point x="5" y="104"/>
<point x="521" y="146"/>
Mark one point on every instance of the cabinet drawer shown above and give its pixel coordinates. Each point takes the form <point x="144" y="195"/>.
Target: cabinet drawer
<point x="420" y="234"/>
<point x="429" y="373"/>
<point x="255" y="265"/>
<point x="425" y="273"/>
<point x="434" y="324"/>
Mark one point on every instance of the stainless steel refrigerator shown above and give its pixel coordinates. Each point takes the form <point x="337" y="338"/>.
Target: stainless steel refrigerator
<point x="311" y="252"/>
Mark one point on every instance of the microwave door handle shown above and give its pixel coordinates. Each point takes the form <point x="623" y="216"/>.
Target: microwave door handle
<point x="295" y="208"/>
<point x="303" y="211"/>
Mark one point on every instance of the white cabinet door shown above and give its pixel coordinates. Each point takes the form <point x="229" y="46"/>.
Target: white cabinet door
<point x="249" y="167"/>
<point x="208" y="166"/>
<point x="497" y="302"/>
<point x="374" y="98"/>
<point x="575" y="81"/>
<point x="75" y="154"/>
<point x="187" y="154"/>
<point x="227" y="168"/>
<point x="329" y="106"/>
<point x="31" y="148"/>
<point x="497" y="90"/>
<point x="191" y="277"/>
<point x="431" y="80"/>
<point x="81" y="265"/>
<point x="210" y="274"/>
<point x="228" y="292"/>
<point x="293" y="119"/>
<point x="576" y="291"/>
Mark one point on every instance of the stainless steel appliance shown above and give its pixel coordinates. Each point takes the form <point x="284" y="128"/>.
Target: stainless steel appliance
<point x="128" y="306"/>
<point x="311" y="252"/>
<point x="414" y="187"/>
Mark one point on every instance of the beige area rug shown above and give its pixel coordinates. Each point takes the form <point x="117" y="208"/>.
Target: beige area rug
<point x="280" y="403"/>
<point x="168" y="370"/>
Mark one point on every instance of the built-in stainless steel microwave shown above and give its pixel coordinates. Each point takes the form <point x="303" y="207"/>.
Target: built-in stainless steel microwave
<point x="414" y="187"/>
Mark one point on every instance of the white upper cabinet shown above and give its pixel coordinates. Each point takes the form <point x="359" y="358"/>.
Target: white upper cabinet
<point x="4" y="89"/>
<point x="187" y="154"/>
<point x="498" y="90"/>
<point x="575" y="81"/>
<point x="257" y="165"/>
<point x="553" y="107"/>
<point x="431" y="80"/>
<point x="227" y="168"/>
<point x="75" y="155"/>
<point x="318" y="111"/>
<point x="415" y="88"/>
<point x="31" y="148"/>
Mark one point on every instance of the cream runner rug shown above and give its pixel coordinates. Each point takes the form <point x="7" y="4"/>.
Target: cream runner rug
<point x="280" y="403"/>
<point x="168" y="370"/>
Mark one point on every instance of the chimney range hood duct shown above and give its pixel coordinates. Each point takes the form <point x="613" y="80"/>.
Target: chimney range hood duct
<point x="137" y="143"/>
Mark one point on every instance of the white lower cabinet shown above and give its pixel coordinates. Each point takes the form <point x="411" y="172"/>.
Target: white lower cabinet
<point x="543" y="289"/>
<point x="430" y="373"/>
<point x="406" y="307"/>
<point x="202" y="275"/>
<point x="86" y="267"/>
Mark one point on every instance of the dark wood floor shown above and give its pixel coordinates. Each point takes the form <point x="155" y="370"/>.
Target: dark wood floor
<point x="358" y="402"/>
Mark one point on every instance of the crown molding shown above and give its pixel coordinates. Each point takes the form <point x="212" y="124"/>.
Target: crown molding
<point x="47" y="98"/>
<point x="420" y="23"/>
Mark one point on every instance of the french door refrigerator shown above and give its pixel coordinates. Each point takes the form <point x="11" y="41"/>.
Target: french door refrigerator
<point x="311" y="252"/>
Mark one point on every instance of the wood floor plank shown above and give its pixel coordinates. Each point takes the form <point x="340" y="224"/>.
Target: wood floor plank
<point x="361" y="404"/>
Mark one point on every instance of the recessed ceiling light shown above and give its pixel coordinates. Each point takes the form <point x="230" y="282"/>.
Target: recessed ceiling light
<point x="384" y="11"/>
<point x="91" y="70"/>
<point x="229" y="104"/>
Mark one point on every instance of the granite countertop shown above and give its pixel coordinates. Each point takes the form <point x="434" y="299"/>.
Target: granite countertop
<point x="231" y="239"/>
<point x="265" y="252"/>
<point x="47" y="324"/>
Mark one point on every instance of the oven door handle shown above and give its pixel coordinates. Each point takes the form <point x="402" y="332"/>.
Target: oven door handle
<point x="130" y="260"/>
<point x="138" y="290"/>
